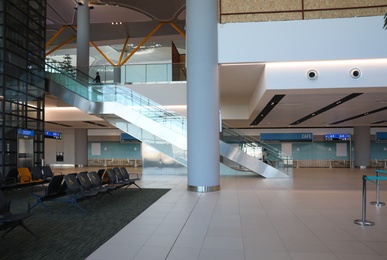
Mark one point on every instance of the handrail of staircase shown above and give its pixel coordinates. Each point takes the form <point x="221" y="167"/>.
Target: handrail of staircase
<point x="115" y="92"/>
<point x="68" y="70"/>
<point x="126" y="96"/>
<point x="254" y="143"/>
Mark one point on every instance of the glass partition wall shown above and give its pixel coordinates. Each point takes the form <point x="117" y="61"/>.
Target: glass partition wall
<point x="22" y="81"/>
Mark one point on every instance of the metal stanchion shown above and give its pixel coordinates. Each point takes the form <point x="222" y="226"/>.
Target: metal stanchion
<point x="363" y="221"/>
<point x="377" y="203"/>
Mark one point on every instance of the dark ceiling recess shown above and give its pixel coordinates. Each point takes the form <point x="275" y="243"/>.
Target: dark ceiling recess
<point x="379" y="122"/>
<point x="361" y="115"/>
<point x="266" y="110"/>
<point x="324" y="109"/>
<point x="55" y="123"/>
<point x="94" y="123"/>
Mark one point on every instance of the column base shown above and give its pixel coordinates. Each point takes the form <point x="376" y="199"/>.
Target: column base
<point x="364" y="223"/>
<point x="203" y="188"/>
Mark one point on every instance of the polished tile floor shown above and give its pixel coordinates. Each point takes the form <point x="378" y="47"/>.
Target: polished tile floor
<point x="308" y="217"/>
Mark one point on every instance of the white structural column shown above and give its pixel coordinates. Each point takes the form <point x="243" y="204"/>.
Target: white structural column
<point x="83" y="37"/>
<point x="80" y="147"/>
<point x="362" y="146"/>
<point x="202" y="95"/>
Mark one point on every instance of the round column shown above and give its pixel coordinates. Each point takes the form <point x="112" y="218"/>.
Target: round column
<point x="83" y="37"/>
<point x="117" y="74"/>
<point x="362" y="146"/>
<point x="202" y="95"/>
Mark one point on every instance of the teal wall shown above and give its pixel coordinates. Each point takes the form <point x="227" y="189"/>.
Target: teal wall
<point x="116" y="150"/>
<point x="317" y="151"/>
<point x="378" y="151"/>
<point x="327" y="151"/>
<point x="301" y="151"/>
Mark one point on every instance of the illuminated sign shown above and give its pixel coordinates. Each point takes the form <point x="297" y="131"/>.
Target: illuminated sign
<point x="25" y="132"/>
<point x="335" y="137"/>
<point x="53" y="135"/>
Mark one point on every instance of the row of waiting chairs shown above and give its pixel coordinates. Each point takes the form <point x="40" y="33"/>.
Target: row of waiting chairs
<point x="8" y="220"/>
<point x="18" y="178"/>
<point x="69" y="188"/>
<point x="24" y="176"/>
<point x="120" y="176"/>
<point x="74" y="187"/>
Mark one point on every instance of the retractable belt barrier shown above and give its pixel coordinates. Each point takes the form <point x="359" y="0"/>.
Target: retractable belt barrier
<point x="363" y="221"/>
<point x="378" y="203"/>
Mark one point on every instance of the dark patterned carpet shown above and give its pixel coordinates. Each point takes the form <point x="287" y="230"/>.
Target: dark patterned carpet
<point x="73" y="234"/>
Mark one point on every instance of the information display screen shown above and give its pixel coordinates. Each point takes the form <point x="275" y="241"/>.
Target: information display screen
<point x="337" y="137"/>
<point x="25" y="132"/>
<point x="53" y="135"/>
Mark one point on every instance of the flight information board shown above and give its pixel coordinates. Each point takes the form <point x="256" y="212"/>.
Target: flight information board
<point x="337" y="137"/>
<point x="53" y="135"/>
<point x="25" y="132"/>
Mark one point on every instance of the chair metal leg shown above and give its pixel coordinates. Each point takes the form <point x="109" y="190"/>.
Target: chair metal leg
<point x="75" y="204"/>
<point x="21" y="223"/>
<point x="8" y="230"/>
<point x="29" y="231"/>
<point x="39" y="202"/>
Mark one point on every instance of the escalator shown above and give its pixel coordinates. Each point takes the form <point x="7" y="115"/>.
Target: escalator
<point x="245" y="153"/>
<point x="144" y="119"/>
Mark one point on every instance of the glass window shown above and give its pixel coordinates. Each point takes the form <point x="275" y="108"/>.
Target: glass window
<point x="22" y="77"/>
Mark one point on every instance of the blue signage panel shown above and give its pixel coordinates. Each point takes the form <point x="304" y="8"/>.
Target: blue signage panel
<point x="54" y="135"/>
<point x="381" y="137"/>
<point x="287" y="137"/>
<point x="127" y="138"/>
<point x="335" y="137"/>
<point x="25" y="132"/>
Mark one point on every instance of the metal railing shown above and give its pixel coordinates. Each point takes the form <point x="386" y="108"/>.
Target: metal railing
<point x="78" y="83"/>
<point x="255" y="147"/>
<point x="83" y="86"/>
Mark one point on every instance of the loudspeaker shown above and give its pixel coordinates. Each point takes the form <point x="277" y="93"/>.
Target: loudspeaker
<point x="355" y="73"/>
<point x="312" y="74"/>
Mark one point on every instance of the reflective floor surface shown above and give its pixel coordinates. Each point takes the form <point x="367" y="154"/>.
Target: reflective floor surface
<point x="310" y="216"/>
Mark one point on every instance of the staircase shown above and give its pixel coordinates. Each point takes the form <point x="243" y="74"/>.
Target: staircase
<point x="145" y="120"/>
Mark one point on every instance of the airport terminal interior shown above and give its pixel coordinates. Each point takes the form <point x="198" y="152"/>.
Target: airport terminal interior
<point x="285" y="93"/>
